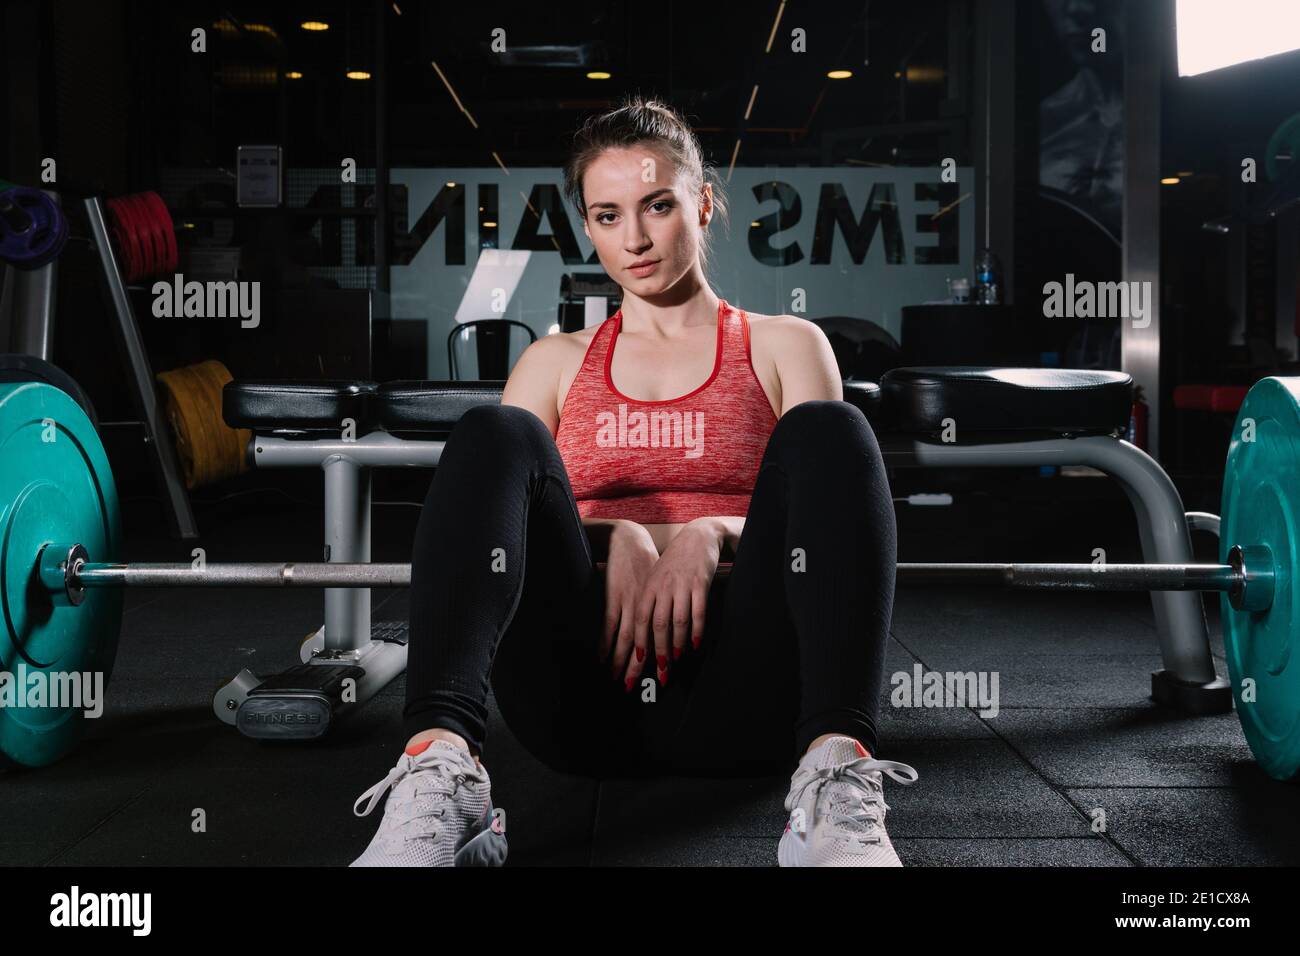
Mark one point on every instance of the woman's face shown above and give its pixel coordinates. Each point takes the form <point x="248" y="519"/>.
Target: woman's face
<point x="638" y="209"/>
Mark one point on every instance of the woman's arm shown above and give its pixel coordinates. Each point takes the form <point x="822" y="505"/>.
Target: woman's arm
<point x="727" y="529"/>
<point x="598" y="533"/>
<point x="534" y="381"/>
<point x="805" y="362"/>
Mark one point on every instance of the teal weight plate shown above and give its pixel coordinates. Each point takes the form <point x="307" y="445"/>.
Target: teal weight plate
<point x="1261" y="505"/>
<point x="55" y="486"/>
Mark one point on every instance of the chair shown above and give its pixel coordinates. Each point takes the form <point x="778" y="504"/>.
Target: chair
<point x="492" y="338"/>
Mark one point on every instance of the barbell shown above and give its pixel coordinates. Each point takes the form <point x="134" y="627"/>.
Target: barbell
<point x="62" y="608"/>
<point x="66" y="571"/>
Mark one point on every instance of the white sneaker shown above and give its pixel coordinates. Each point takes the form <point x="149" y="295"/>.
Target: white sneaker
<point x="439" y="813"/>
<point x="837" y="808"/>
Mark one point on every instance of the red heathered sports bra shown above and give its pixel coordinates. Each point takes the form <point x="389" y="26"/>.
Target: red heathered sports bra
<point x="671" y="461"/>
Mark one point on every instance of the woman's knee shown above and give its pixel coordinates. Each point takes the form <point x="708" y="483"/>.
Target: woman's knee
<point x="508" y="429"/>
<point x="824" y="428"/>
<point x="500" y="418"/>
<point x="822" y="415"/>
<point x="492" y="450"/>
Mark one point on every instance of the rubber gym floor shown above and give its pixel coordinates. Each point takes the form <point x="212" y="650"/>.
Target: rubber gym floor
<point x="1076" y="728"/>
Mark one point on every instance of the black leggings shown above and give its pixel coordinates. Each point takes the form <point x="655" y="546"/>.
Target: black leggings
<point x="503" y="587"/>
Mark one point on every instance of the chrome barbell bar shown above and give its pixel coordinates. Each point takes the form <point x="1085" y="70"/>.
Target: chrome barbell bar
<point x="1248" y="577"/>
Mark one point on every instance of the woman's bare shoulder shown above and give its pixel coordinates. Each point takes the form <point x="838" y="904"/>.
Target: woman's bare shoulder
<point x="558" y="349"/>
<point x="757" y="319"/>
<point x="769" y="334"/>
<point x="570" y="348"/>
<point x="568" y="352"/>
<point x="776" y="333"/>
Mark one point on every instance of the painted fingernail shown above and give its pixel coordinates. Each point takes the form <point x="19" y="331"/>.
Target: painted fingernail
<point x="663" y="661"/>
<point x="628" y="682"/>
<point x="677" y="652"/>
<point x="663" y="678"/>
<point x="640" y="653"/>
<point x="696" y="641"/>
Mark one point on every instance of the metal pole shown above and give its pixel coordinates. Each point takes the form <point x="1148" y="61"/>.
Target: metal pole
<point x="1248" y="577"/>
<point x="1077" y="577"/>
<point x="1086" y="577"/>
<point x="156" y="434"/>
<point x="381" y="156"/>
<point x="1068" y="577"/>
<point x="235" y="575"/>
<point x="33" y="295"/>
<point x="1147" y="26"/>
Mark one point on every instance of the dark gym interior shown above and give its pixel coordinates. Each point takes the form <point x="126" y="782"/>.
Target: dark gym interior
<point x="925" y="172"/>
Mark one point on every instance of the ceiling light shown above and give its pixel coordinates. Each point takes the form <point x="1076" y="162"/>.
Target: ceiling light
<point x="1214" y="35"/>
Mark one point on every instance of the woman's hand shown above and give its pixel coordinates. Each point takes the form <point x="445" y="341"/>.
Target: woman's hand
<point x="632" y="553"/>
<point x="675" y="597"/>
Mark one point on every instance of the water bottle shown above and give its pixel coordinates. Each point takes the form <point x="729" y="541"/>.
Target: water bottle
<point x="988" y="278"/>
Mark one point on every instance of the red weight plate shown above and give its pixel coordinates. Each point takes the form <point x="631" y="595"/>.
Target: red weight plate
<point x="170" y="258"/>
<point x="150" y="237"/>
<point x="127" y="241"/>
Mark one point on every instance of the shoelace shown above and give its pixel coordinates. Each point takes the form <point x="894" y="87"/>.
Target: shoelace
<point x="864" y="807"/>
<point x="436" y="774"/>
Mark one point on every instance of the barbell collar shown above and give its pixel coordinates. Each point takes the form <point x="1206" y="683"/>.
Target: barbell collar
<point x="57" y="566"/>
<point x="1256" y="579"/>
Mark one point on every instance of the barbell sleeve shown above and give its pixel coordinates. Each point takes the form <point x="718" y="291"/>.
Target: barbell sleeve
<point x="1076" y="577"/>
<point x="241" y="575"/>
